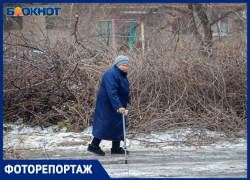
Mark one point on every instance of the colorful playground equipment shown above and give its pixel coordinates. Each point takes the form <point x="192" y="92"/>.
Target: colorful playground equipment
<point x="131" y="36"/>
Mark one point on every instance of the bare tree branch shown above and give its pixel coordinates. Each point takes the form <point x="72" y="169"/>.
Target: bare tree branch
<point x="225" y="15"/>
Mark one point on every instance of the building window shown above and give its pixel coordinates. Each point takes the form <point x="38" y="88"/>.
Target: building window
<point x="239" y="20"/>
<point x="221" y="27"/>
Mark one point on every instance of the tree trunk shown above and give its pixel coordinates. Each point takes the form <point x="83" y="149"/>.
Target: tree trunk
<point x="206" y="41"/>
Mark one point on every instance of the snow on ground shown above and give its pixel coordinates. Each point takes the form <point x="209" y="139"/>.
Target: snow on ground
<point x="159" y="154"/>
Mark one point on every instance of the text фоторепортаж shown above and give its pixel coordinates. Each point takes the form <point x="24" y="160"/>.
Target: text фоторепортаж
<point x="48" y="169"/>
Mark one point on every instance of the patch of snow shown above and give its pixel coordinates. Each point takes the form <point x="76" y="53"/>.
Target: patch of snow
<point x="88" y="130"/>
<point x="14" y="132"/>
<point x="50" y="130"/>
<point x="63" y="130"/>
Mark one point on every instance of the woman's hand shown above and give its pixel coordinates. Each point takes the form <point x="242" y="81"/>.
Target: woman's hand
<point x="122" y="111"/>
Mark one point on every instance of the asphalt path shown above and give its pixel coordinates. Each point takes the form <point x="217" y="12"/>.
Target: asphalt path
<point x="199" y="162"/>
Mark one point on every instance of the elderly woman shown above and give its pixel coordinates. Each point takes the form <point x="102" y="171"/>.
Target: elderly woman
<point x="111" y="102"/>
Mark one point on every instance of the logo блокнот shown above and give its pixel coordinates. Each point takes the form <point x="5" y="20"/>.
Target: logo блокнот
<point x="29" y="11"/>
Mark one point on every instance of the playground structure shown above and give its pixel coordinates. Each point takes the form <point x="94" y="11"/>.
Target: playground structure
<point x="131" y="36"/>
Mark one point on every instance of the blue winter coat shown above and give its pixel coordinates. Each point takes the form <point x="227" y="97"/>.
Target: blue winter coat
<point x="113" y="94"/>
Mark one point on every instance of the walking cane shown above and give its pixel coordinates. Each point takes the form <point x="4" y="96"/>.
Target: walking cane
<point x="124" y="135"/>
